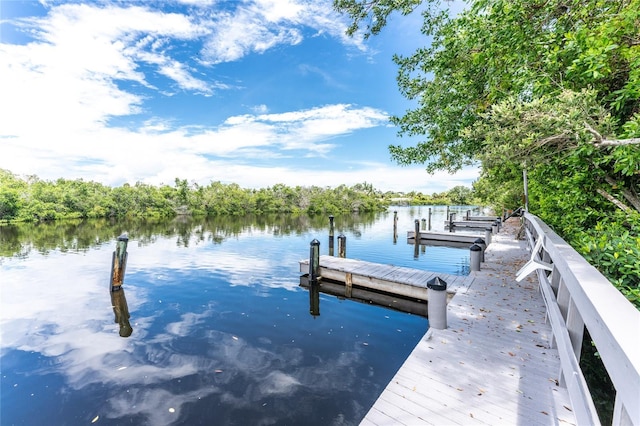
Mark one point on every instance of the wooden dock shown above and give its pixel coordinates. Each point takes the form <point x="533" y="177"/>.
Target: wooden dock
<point x="468" y="224"/>
<point x="401" y="281"/>
<point x="493" y="364"/>
<point x="444" y="237"/>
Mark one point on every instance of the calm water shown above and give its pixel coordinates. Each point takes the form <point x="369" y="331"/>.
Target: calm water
<point x="221" y="328"/>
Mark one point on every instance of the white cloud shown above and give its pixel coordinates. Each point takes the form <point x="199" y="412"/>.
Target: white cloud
<point x="257" y="26"/>
<point x="62" y="91"/>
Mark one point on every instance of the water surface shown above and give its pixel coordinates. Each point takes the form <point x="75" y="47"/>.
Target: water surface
<point x="221" y="330"/>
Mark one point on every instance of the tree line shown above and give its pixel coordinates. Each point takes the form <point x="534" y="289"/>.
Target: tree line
<point x="31" y="199"/>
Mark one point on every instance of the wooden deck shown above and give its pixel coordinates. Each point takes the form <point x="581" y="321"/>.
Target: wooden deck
<point x="402" y="281"/>
<point x="492" y="365"/>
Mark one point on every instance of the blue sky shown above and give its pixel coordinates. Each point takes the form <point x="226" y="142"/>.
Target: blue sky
<point x="250" y="92"/>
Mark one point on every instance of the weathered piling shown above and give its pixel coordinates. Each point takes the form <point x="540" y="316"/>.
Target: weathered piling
<point x="475" y="257"/>
<point x="314" y="261"/>
<point x="437" y="303"/>
<point x="331" y="235"/>
<point x="119" y="262"/>
<point x="451" y="225"/>
<point x="494" y="228"/>
<point x="342" y="246"/>
<point x="395" y="226"/>
<point x="429" y="219"/>
<point x="423" y="224"/>
<point x="468" y="215"/>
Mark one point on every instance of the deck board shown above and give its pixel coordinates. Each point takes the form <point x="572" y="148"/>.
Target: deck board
<point x="493" y="364"/>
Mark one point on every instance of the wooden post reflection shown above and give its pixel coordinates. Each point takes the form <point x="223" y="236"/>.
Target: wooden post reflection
<point x="121" y="311"/>
<point x="314" y="298"/>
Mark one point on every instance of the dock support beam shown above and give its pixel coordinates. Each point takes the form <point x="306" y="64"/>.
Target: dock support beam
<point x="437" y="303"/>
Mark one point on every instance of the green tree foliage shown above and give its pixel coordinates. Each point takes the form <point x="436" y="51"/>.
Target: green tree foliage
<point x="33" y="200"/>
<point x="548" y="85"/>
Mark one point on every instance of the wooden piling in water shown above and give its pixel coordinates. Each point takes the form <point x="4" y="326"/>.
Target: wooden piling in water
<point x="314" y="261"/>
<point x="342" y="246"/>
<point x="119" y="262"/>
<point x="395" y="227"/>
<point x="331" y="235"/>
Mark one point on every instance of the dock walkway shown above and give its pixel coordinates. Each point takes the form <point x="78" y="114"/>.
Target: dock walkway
<point x="492" y="365"/>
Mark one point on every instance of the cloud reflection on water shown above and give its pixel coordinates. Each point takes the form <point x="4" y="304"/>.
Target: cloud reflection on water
<point x="58" y="305"/>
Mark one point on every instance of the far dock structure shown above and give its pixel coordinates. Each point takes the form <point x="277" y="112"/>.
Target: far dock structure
<point x="450" y="239"/>
<point x="510" y="352"/>
<point x="393" y="280"/>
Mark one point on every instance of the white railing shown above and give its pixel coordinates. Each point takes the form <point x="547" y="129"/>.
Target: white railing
<point x="578" y="296"/>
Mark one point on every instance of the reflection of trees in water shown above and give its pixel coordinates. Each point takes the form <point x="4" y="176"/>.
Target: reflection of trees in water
<point x="19" y="240"/>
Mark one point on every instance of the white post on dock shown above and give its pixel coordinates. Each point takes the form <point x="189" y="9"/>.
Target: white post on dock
<point x="487" y="235"/>
<point x="437" y="303"/>
<point x="494" y="228"/>
<point x="483" y="246"/>
<point x="475" y="257"/>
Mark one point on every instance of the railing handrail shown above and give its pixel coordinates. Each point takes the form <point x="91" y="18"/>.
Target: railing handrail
<point x="613" y="322"/>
